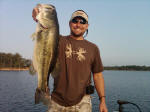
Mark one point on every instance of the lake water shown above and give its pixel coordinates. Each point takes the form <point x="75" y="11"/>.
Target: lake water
<point x="17" y="91"/>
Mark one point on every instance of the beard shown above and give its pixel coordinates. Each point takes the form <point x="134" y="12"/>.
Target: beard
<point x="77" y="35"/>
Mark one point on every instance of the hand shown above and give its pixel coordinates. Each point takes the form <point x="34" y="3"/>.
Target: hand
<point x="35" y="13"/>
<point x="103" y="107"/>
<point x="45" y="98"/>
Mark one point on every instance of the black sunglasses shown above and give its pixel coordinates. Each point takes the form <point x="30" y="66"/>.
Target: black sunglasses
<point x="82" y="21"/>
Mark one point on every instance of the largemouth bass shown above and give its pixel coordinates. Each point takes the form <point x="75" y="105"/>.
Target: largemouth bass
<point x="46" y="39"/>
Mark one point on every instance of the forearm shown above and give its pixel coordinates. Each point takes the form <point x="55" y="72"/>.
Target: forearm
<point x="99" y="85"/>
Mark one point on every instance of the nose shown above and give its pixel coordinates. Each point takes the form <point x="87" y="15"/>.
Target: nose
<point x="78" y="23"/>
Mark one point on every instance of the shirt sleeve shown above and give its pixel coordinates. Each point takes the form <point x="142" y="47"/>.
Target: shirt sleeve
<point x="97" y="65"/>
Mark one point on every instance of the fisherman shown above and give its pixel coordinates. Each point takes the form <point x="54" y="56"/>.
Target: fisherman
<point x="78" y="59"/>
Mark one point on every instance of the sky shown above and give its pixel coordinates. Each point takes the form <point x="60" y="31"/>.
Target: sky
<point x="121" y="29"/>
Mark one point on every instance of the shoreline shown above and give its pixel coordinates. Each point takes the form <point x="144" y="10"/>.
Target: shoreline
<point x="26" y="69"/>
<point x="125" y="70"/>
<point x="14" y="69"/>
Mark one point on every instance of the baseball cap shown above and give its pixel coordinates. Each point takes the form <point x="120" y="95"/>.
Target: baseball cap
<point x="79" y="13"/>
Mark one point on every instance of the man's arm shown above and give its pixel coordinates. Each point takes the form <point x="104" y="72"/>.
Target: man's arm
<point x="100" y="88"/>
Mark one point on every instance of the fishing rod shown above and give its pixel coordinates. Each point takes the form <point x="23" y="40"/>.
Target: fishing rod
<point x="121" y="102"/>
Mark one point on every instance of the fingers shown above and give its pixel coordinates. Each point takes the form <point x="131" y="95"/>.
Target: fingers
<point x="35" y="13"/>
<point x="100" y="109"/>
<point x="103" y="110"/>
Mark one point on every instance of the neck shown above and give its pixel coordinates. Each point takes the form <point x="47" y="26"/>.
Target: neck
<point x="77" y="38"/>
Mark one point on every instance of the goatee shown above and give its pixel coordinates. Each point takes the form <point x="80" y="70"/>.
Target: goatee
<point x="77" y="35"/>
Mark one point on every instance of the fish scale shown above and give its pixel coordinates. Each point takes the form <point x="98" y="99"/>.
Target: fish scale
<point x="46" y="39"/>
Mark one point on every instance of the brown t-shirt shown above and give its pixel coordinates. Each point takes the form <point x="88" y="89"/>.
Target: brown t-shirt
<point x="78" y="59"/>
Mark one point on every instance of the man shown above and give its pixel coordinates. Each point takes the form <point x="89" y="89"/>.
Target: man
<point x="78" y="59"/>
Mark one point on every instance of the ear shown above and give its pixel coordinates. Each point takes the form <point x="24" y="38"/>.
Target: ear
<point x="87" y="25"/>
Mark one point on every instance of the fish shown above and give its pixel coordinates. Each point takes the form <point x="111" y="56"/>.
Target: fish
<point x="46" y="39"/>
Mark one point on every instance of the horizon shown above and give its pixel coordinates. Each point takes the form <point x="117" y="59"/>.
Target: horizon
<point x="119" y="28"/>
<point x="104" y="66"/>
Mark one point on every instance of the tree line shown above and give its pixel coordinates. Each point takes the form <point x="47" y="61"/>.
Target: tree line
<point x="16" y="61"/>
<point x="128" y="67"/>
<point x="13" y="61"/>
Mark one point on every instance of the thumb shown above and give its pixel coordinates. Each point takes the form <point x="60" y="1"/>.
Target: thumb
<point x="35" y="13"/>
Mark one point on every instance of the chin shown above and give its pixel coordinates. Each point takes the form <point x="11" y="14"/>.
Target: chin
<point x="77" y="34"/>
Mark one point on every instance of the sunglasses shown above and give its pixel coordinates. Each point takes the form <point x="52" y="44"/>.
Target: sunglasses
<point x="82" y="21"/>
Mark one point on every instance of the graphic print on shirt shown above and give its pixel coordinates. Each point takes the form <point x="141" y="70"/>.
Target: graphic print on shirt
<point x="68" y="51"/>
<point x="80" y="52"/>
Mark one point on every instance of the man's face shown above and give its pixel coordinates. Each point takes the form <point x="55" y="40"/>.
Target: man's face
<point x="78" y="26"/>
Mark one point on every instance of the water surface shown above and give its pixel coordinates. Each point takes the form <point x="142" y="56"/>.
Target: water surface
<point x="17" y="91"/>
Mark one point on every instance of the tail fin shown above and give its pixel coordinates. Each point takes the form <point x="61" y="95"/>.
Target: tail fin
<point x="37" y="96"/>
<point x="43" y="97"/>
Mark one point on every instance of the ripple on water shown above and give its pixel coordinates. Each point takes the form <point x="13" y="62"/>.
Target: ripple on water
<point x="17" y="91"/>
